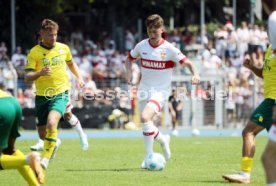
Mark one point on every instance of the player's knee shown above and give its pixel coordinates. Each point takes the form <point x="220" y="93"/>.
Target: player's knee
<point x="246" y="133"/>
<point x="52" y="123"/>
<point x="144" y="118"/>
<point x="173" y="115"/>
<point x="67" y="116"/>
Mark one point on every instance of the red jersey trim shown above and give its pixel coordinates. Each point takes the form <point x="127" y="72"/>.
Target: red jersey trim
<point x="160" y="43"/>
<point x="130" y="57"/>
<point x="156" y="135"/>
<point x="148" y="133"/>
<point x="183" y="60"/>
<point x="274" y="51"/>
<point x="156" y="103"/>
<point x="157" y="65"/>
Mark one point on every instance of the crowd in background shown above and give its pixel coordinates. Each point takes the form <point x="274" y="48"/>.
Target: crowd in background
<point x="102" y="66"/>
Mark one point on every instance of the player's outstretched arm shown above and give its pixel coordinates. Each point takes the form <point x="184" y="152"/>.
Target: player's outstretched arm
<point x="128" y="64"/>
<point x="248" y="63"/>
<point x="195" y="77"/>
<point x="75" y="70"/>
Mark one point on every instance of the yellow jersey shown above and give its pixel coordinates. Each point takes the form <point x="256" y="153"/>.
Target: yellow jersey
<point x="4" y="94"/>
<point x="269" y="74"/>
<point x="56" y="58"/>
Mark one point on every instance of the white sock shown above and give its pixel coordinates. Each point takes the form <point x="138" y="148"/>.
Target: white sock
<point x="40" y="141"/>
<point x="45" y="162"/>
<point x="149" y="133"/>
<point x="28" y="159"/>
<point x="271" y="184"/>
<point x="246" y="174"/>
<point x="75" y="123"/>
<point x="158" y="135"/>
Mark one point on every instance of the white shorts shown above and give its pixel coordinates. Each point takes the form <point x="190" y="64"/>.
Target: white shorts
<point x="272" y="133"/>
<point x="69" y="107"/>
<point x="155" y="100"/>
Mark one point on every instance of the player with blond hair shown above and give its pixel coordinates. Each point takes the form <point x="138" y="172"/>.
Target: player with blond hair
<point x="46" y="66"/>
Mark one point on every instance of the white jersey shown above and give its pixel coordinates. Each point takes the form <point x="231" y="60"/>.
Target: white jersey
<point x="157" y="63"/>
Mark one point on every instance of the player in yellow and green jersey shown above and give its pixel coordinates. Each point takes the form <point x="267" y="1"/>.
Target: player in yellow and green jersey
<point x="46" y="66"/>
<point x="269" y="155"/>
<point x="261" y="118"/>
<point x="10" y="119"/>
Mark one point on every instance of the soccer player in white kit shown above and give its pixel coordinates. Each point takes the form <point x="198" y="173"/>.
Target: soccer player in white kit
<point x="269" y="155"/>
<point x="158" y="58"/>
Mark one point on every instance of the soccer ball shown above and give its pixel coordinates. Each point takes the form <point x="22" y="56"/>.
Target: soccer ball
<point x="195" y="132"/>
<point x="155" y="162"/>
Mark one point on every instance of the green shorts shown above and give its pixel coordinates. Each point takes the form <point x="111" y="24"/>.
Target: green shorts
<point x="10" y="120"/>
<point x="43" y="105"/>
<point x="262" y="115"/>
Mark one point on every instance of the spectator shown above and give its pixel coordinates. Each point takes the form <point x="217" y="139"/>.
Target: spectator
<point x="3" y="47"/>
<point x="212" y="64"/>
<point x="243" y="38"/>
<point x="30" y="97"/>
<point x="129" y="40"/>
<point x="110" y="50"/>
<point x="232" y="39"/>
<point x="77" y="40"/>
<point x="264" y="39"/>
<point x="10" y="75"/>
<point x="258" y="57"/>
<point x="230" y="105"/>
<point x="18" y="59"/>
<point x="86" y="65"/>
<point x="255" y="38"/>
<point x="220" y="39"/>
<point x="21" y="98"/>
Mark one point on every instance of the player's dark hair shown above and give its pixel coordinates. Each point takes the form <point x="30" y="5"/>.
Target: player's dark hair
<point x="48" y="24"/>
<point x="154" y="21"/>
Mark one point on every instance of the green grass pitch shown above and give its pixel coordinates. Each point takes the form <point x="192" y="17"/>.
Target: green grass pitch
<point x="115" y="162"/>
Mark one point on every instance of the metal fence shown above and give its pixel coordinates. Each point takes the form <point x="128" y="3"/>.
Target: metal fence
<point x="207" y="104"/>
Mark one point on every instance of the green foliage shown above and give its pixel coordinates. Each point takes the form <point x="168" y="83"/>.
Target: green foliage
<point x="111" y="16"/>
<point x="212" y="26"/>
<point x="261" y="23"/>
<point x="193" y="28"/>
<point x="29" y="16"/>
